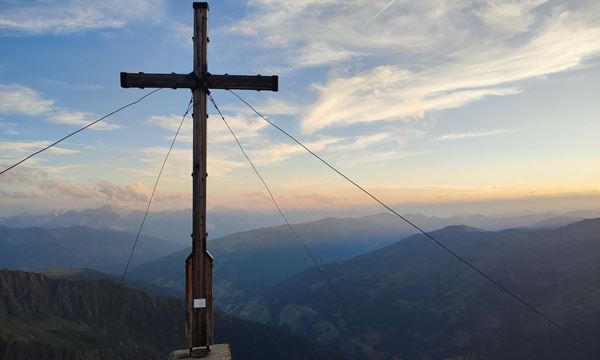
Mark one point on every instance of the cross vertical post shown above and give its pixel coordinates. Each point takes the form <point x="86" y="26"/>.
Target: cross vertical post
<point x="198" y="266"/>
<point x="199" y="318"/>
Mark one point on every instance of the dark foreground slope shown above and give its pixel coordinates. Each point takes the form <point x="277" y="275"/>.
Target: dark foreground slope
<point x="83" y="274"/>
<point x="48" y="319"/>
<point x="412" y="300"/>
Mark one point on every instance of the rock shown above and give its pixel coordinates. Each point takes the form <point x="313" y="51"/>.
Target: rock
<point x="217" y="352"/>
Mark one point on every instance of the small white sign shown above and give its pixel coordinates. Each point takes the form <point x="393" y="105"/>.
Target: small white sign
<point x="199" y="303"/>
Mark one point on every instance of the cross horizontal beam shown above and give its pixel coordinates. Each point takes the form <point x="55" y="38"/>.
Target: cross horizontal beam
<point x="189" y="81"/>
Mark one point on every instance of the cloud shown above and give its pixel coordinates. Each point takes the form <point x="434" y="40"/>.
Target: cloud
<point x="509" y="16"/>
<point x="272" y="153"/>
<point x="364" y="141"/>
<point x="8" y="128"/>
<point x="37" y="183"/>
<point x="61" y="188"/>
<point x="80" y="118"/>
<point x="388" y="93"/>
<point x="257" y="197"/>
<point x="243" y="127"/>
<point x="171" y="123"/>
<point x="379" y="13"/>
<point x="225" y="157"/>
<point x="396" y="93"/>
<point x="217" y="131"/>
<point x="123" y="193"/>
<point x="379" y="27"/>
<point x="318" y="198"/>
<point x="29" y="146"/>
<point x="23" y="175"/>
<point x="272" y="106"/>
<point x="18" y="99"/>
<point x="419" y="57"/>
<point x="184" y="34"/>
<point x="52" y="16"/>
<point x="22" y="100"/>
<point x="314" y="33"/>
<point x="17" y="195"/>
<point x="180" y="162"/>
<point x="468" y="135"/>
<point x="220" y="166"/>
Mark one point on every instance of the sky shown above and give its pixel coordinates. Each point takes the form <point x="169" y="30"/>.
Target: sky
<point x="425" y="103"/>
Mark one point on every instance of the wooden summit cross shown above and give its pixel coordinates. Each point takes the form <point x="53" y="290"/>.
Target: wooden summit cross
<point x="199" y="264"/>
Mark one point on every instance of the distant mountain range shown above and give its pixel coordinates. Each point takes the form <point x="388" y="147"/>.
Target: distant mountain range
<point x="176" y="225"/>
<point x="43" y="318"/>
<point x="412" y="300"/>
<point x="253" y="260"/>
<point x="104" y="250"/>
<point x="171" y="225"/>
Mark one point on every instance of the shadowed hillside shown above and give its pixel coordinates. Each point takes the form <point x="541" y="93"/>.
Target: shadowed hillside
<point x="47" y="319"/>
<point x="252" y="260"/>
<point x="412" y="300"/>
<point x="256" y="259"/>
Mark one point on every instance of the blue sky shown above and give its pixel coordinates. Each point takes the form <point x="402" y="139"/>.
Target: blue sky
<point x="422" y="102"/>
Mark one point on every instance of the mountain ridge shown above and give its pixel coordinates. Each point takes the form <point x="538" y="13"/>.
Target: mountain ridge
<point x="412" y="300"/>
<point x="45" y="318"/>
<point x="175" y="225"/>
<point x="34" y="248"/>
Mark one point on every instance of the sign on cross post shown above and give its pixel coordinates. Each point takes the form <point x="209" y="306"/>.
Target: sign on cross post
<point x="199" y="263"/>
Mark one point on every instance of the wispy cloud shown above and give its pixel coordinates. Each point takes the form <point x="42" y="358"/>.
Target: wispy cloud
<point x="35" y="182"/>
<point x="423" y="56"/>
<point x="29" y="146"/>
<point x="469" y="135"/>
<point x="396" y="93"/>
<point x="59" y="188"/>
<point x="317" y="198"/>
<point x="509" y="16"/>
<point x="180" y="161"/>
<point x="18" y="99"/>
<point x="272" y="106"/>
<point x="80" y="118"/>
<point x="8" y="128"/>
<point x="379" y="13"/>
<point x="217" y="131"/>
<point x="17" y="195"/>
<point x="272" y="153"/>
<point x="131" y="192"/>
<point x="171" y="123"/>
<point x="183" y="33"/>
<point x="389" y="93"/>
<point x="42" y="17"/>
<point x="22" y="100"/>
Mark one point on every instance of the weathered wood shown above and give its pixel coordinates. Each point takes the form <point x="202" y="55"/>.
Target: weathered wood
<point x="189" y="298"/>
<point x="243" y="82"/>
<point x="189" y="81"/>
<point x="199" y="282"/>
<point x="209" y="297"/>
<point x="142" y="80"/>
